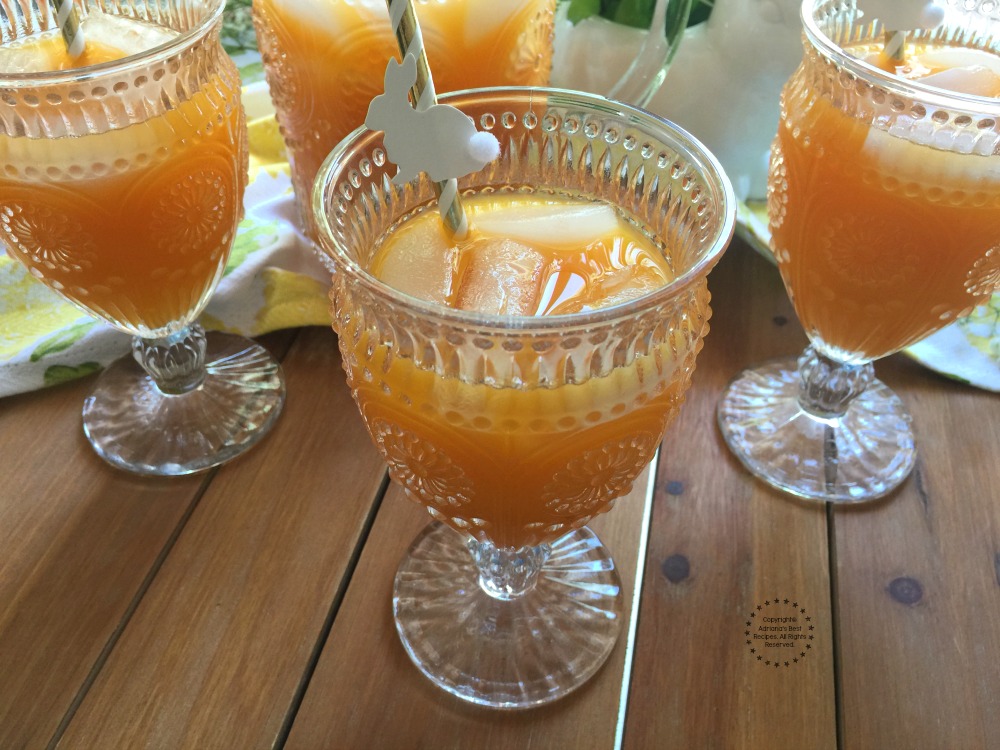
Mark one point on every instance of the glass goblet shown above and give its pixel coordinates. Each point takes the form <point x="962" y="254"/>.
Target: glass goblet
<point x="325" y="61"/>
<point x="121" y="189"/>
<point x="884" y="203"/>
<point x="515" y="431"/>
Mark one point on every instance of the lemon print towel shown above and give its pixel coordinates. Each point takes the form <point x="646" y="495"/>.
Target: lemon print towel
<point x="273" y="280"/>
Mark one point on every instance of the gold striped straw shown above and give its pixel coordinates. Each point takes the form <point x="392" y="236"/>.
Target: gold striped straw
<point x="410" y="41"/>
<point x="69" y="24"/>
<point x="894" y="46"/>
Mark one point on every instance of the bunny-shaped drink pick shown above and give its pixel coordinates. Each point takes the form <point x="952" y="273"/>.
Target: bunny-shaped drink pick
<point x="904" y="15"/>
<point x="898" y="17"/>
<point x="437" y="139"/>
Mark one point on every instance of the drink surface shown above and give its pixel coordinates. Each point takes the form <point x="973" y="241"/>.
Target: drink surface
<point x="107" y="38"/>
<point x="325" y="61"/>
<point x="525" y="255"/>
<point x="130" y="216"/>
<point x="527" y="460"/>
<point x="882" y="240"/>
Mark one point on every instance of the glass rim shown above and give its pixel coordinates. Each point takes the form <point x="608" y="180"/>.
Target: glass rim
<point x="909" y="89"/>
<point x="692" y="148"/>
<point x="212" y="18"/>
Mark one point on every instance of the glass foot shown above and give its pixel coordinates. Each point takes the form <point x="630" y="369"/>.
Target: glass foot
<point x="507" y="653"/>
<point x="859" y="456"/>
<point x="135" y="426"/>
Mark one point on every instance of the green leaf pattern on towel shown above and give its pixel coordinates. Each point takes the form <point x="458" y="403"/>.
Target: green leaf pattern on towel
<point x="62" y="339"/>
<point x="62" y="373"/>
<point x="982" y="328"/>
<point x="251" y="236"/>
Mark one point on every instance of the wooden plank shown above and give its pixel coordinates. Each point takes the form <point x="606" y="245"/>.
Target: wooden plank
<point x="721" y="545"/>
<point x="214" y="654"/>
<point x="918" y="576"/>
<point x="77" y="540"/>
<point x="366" y="693"/>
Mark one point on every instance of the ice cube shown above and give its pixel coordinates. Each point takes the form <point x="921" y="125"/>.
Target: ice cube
<point x="33" y="55"/>
<point x="548" y="223"/>
<point x="125" y="34"/>
<point x="420" y="261"/>
<point x="624" y="285"/>
<point x="960" y="57"/>
<point x="501" y="277"/>
<point x="976" y="80"/>
<point x="903" y="156"/>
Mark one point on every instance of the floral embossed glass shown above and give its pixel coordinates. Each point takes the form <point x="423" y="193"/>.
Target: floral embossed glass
<point x="325" y="61"/>
<point x="884" y="203"/>
<point x="515" y="431"/>
<point x="121" y="186"/>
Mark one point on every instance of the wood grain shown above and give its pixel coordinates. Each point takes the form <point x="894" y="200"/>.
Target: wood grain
<point x="225" y="610"/>
<point x="722" y="544"/>
<point x="77" y="540"/>
<point x="216" y="649"/>
<point x="919" y="583"/>
<point x="367" y="694"/>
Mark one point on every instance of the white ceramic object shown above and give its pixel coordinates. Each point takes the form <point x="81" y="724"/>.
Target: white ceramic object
<point x="725" y="82"/>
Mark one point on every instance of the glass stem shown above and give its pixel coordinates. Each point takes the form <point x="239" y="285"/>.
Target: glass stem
<point x="506" y="572"/>
<point x="826" y="390"/>
<point x="176" y="363"/>
<point x="828" y="386"/>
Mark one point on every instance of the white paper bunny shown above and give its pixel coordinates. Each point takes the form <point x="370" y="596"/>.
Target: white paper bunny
<point x="903" y="15"/>
<point x="439" y="140"/>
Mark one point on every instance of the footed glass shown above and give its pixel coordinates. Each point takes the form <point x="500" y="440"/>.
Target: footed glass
<point x="121" y="188"/>
<point x="325" y="61"/>
<point x="884" y="204"/>
<point x="515" y="431"/>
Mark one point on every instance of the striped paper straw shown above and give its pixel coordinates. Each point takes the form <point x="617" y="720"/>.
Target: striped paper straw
<point x="403" y="18"/>
<point x="69" y="24"/>
<point x="894" y="46"/>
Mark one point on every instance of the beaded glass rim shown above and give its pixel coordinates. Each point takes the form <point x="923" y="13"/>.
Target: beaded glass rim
<point x="929" y="95"/>
<point x="199" y="29"/>
<point x="672" y="135"/>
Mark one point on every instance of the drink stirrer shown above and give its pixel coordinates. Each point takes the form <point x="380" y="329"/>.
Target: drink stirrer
<point x="69" y="24"/>
<point x="482" y="147"/>
<point x="897" y="15"/>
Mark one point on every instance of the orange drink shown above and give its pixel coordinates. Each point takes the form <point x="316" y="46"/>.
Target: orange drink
<point x="325" y="61"/>
<point x="524" y="465"/>
<point x="517" y="381"/>
<point x="122" y="174"/>
<point x="133" y="222"/>
<point x="884" y="208"/>
<point x="877" y="236"/>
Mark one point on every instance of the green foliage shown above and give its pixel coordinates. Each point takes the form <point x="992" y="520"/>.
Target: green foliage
<point x="639" y="13"/>
<point x="700" y="11"/>
<point x="237" y="27"/>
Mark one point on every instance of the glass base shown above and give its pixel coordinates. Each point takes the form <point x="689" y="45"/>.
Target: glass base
<point x="862" y="455"/>
<point x="134" y="426"/>
<point x="512" y="653"/>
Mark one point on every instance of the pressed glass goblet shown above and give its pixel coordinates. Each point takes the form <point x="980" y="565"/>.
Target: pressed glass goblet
<point x="884" y="203"/>
<point x="121" y="188"/>
<point x="325" y="61"/>
<point x="515" y="431"/>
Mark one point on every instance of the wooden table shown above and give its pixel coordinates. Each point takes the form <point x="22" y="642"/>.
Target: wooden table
<point x="249" y="607"/>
